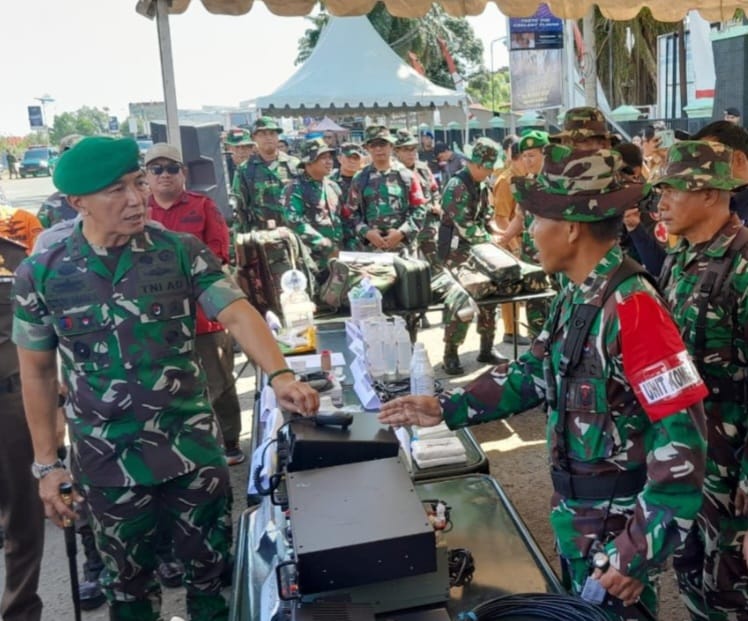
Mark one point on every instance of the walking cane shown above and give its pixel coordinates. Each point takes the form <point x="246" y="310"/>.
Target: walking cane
<point x="66" y="491"/>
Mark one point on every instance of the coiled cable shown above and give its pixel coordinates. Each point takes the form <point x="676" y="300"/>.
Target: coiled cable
<point x="545" y="606"/>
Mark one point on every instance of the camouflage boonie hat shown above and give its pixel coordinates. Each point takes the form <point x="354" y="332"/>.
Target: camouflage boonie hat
<point x="484" y="152"/>
<point x="377" y="132"/>
<point x="265" y="122"/>
<point x="237" y="137"/>
<point x="312" y="149"/>
<point x="577" y="185"/>
<point x="581" y="123"/>
<point x="698" y="165"/>
<point x="350" y="149"/>
<point x="534" y="139"/>
<point x="404" y="138"/>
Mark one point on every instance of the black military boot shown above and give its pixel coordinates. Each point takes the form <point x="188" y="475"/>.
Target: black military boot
<point x="451" y="360"/>
<point x="487" y="354"/>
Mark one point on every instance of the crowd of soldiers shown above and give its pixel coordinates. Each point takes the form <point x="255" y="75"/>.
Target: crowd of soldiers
<point x="645" y="383"/>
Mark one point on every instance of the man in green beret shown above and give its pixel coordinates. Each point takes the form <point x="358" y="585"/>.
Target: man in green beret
<point x="623" y="399"/>
<point x="117" y="300"/>
<point x="386" y="202"/>
<point x="260" y="182"/>
<point x="313" y="204"/>
<point x="467" y="212"/>
<point x="705" y="280"/>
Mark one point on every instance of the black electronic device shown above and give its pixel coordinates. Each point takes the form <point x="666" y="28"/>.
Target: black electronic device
<point x="331" y="611"/>
<point x="343" y="439"/>
<point x="357" y="524"/>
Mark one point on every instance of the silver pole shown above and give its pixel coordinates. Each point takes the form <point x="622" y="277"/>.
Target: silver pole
<point x="590" y="66"/>
<point x="167" y="73"/>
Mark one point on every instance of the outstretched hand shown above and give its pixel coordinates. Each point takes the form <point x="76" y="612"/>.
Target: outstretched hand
<point x="295" y="396"/>
<point x="625" y="588"/>
<point x="418" y="410"/>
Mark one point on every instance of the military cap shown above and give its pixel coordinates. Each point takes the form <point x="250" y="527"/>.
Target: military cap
<point x="377" y="132"/>
<point x="698" y="165"/>
<point x="577" y="185"/>
<point x="404" y="138"/>
<point x="731" y="111"/>
<point x="583" y="122"/>
<point x="163" y="150"/>
<point x="237" y="137"/>
<point x="350" y="149"/>
<point x="484" y="152"/>
<point x="312" y="149"/>
<point x="534" y="139"/>
<point x="266" y="122"/>
<point x="95" y="163"/>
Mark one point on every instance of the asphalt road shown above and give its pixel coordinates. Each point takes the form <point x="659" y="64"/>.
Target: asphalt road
<point x="27" y="193"/>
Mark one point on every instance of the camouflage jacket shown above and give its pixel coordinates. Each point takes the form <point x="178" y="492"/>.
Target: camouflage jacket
<point x="465" y="205"/>
<point x="11" y="255"/>
<point x="343" y="182"/>
<point x="55" y="209"/>
<point x="624" y="415"/>
<point x="138" y="408"/>
<point x="313" y="212"/>
<point x="387" y="200"/>
<point x="725" y="356"/>
<point x="260" y="185"/>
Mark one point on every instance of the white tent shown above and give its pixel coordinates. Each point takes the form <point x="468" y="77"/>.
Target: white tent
<point x="353" y="69"/>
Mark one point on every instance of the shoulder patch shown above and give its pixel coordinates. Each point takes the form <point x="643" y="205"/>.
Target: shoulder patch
<point x="655" y="361"/>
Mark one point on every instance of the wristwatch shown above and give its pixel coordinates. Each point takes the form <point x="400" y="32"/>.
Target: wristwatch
<point x="42" y="470"/>
<point x="601" y="561"/>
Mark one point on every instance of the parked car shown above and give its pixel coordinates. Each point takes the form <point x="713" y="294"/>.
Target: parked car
<point x="38" y="160"/>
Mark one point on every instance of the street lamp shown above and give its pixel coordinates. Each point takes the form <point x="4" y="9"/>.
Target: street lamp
<point x="493" y="95"/>
<point x="44" y="100"/>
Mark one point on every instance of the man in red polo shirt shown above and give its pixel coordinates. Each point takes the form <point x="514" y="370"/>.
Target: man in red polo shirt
<point x="190" y="212"/>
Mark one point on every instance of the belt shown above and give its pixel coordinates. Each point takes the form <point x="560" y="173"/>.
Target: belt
<point x="598" y="486"/>
<point x="10" y="384"/>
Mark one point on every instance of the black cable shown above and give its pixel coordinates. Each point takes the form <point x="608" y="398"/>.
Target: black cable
<point x="274" y="479"/>
<point x="461" y="567"/>
<point x="546" y="606"/>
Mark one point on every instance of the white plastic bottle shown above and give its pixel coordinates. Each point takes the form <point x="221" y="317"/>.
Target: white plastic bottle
<point x="402" y="343"/>
<point x="421" y="372"/>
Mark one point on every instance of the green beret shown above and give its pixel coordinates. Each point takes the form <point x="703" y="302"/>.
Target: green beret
<point x="95" y="163"/>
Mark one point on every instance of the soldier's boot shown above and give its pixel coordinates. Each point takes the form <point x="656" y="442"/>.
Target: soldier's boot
<point x="487" y="354"/>
<point x="451" y="360"/>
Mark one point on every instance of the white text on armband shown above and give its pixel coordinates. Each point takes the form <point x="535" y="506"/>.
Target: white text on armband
<point x="670" y="381"/>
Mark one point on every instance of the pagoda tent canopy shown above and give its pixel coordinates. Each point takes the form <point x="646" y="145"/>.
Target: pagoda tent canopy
<point x="327" y="125"/>
<point x="365" y="78"/>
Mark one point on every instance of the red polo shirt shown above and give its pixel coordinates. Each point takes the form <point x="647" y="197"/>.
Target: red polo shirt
<point x="197" y="214"/>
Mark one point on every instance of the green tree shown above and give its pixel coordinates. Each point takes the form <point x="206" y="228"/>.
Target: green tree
<point x="492" y="91"/>
<point x="86" y="121"/>
<point x="420" y="36"/>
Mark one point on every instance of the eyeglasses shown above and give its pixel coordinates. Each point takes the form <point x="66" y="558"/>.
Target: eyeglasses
<point x="158" y="169"/>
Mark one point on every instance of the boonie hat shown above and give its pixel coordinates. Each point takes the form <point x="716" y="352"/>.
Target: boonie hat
<point x="351" y="149"/>
<point x="95" y="163"/>
<point x="237" y="137"/>
<point x="377" y="132"/>
<point x="577" y="185"/>
<point x="163" y="150"/>
<point x="266" y="122"/>
<point x="583" y="122"/>
<point x="698" y="165"/>
<point x="484" y="152"/>
<point x="312" y="149"/>
<point x="405" y="139"/>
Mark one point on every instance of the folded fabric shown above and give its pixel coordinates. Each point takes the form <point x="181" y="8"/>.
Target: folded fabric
<point x="432" y="449"/>
<point x="427" y="433"/>
<point x="438" y="461"/>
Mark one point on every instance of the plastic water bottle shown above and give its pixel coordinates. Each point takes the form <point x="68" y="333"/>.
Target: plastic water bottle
<point x="402" y="344"/>
<point x="421" y="372"/>
<point x="389" y="351"/>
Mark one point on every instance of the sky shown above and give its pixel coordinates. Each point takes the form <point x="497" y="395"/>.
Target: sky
<point x="101" y="53"/>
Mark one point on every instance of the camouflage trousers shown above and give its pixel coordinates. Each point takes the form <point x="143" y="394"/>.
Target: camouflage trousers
<point x="426" y="240"/>
<point x="574" y="573"/>
<point x="711" y="571"/>
<point x="455" y="330"/>
<point x="125" y="521"/>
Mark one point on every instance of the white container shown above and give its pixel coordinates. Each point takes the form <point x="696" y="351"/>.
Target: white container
<point x="421" y="372"/>
<point x="365" y="308"/>
<point x="404" y="354"/>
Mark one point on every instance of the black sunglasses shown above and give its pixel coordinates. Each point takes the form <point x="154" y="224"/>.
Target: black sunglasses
<point x="158" y="169"/>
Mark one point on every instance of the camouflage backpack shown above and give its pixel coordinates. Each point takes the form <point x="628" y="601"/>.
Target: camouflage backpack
<point x="344" y="275"/>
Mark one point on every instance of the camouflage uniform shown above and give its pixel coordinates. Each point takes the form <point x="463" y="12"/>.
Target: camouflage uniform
<point x="615" y="421"/>
<point x="260" y="184"/>
<point x="711" y="570"/>
<point x="55" y="209"/>
<point x="582" y="123"/>
<point x="145" y="438"/>
<point x="313" y="209"/>
<point x="389" y="199"/>
<point x="537" y="310"/>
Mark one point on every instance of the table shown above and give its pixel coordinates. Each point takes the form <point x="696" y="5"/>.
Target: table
<point x="507" y="559"/>
<point x="331" y="335"/>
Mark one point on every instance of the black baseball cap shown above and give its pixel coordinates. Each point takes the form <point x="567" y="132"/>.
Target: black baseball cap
<point x="733" y="112"/>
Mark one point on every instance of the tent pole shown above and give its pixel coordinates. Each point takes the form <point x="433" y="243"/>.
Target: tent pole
<point x="590" y="64"/>
<point x="167" y="73"/>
